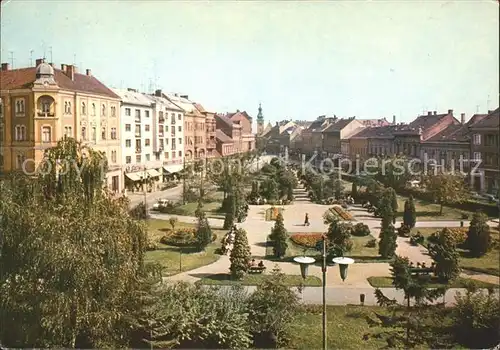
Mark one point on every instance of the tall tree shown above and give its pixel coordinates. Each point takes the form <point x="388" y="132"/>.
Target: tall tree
<point x="279" y="237"/>
<point x="71" y="256"/>
<point x="240" y="255"/>
<point x="478" y="237"/>
<point x="446" y="257"/>
<point x="410" y="214"/>
<point x="354" y="191"/>
<point x="388" y="241"/>
<point x="339" y="236"/>
<point x="446" y="189"/>
<point x="203" y="233"/>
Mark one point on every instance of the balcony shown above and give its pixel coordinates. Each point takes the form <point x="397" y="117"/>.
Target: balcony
<point x="211" y="144"/>
<point x="45" y="114"/>
<point x="172" y="133"/>
<point x="173" y="121"/>
<point x="161" y="120"/>
<point x="138" y="120"/>
<point x="138" y="150"/>
<point x="137" y="134"/>
<point x="160" y="134"/>
<point x="173" y="148"/>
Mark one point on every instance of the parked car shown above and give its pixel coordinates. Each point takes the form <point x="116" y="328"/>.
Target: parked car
<point x="162" y="203"/>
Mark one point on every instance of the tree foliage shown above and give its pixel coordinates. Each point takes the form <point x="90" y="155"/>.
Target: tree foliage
<point x="279" y="237"/>
<point x="339" y="237"/>
<point x="240" y="255"/>
<point x="446" y="189"/>
<point x="71" y="256"/>
<point x="388" y="240"/>
<point x="410" y="214"/>
<point x="203" y="233"/>
<point x="478" y="237"/>
<point x="446" y="257"/>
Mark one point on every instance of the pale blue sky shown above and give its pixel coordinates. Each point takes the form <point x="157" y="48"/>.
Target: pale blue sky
<point x="300" y="59"/>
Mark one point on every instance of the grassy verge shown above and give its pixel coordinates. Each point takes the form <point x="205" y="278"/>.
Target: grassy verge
<point x="386" y="282"/>
<point x="179" y="259"/>
<point x="488" y="263"/>
<point x="253" y="280"/>
<point x="346" y="326"/>
<point x="188" y="209"/>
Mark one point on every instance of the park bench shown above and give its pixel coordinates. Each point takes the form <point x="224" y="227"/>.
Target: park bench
<point x="256" y="269"/>
<point x="421" y="270"/>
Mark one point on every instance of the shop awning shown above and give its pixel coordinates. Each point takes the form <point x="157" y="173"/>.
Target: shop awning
<point x="134" y="176"/>
<point x="174" y="168"/>
<point x="153" y="173"/>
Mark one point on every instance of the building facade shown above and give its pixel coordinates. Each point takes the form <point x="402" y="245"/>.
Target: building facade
<point x="337" y="131"/>
<point x="43" y="104"/>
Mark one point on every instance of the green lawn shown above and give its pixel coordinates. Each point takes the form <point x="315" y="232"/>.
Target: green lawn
<point x="188" y="209"/>
<point x="427" y="211"/>
<point x="386" y="282"/>
<point x="177" y="259"/>
<point x="488" y="263"/>
<point x="360" y="252"/>
<point x="255" y="279"/>
<point x="346" y="326"/>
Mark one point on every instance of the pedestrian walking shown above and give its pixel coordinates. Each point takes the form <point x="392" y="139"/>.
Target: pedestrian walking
<point x="306" y="220"/>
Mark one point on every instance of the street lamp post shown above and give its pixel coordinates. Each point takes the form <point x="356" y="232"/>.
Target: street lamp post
<point x="305" y="261"/>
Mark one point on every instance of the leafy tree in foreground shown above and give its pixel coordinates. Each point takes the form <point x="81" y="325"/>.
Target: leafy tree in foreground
<point x="446" y="189"/>
<point x="339" y="237"/>
<point x="478" y="237"/>
<point x="273" y="308"/>
<point x="410" y="214"/>
<point x="279" y="237"/>
<point x="71" y="256"/>
<point x="203" y="232"/>
<point x="388" y="241"/>
<point x="240" y="255"/>
<point x="446" y="257"/>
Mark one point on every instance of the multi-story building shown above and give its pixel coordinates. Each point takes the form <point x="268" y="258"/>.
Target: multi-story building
<point x="168" y="135"/>
<point x="195" y="146"/>
<point x="228" y="135"/>
<point x="485" y="148"/>
<point x="277" y="139"/>
<point x="246" y="142"/>
<point x="43" y="104"/>
<point x="337" y="131"/>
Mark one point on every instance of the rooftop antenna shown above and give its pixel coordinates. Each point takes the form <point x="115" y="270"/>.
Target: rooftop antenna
<point x="11" y="58"/>
<point x="31" y="58"/>
<point x="50" y="53"/>
<point x="488" y="103"/>
<point x="74" y="59"/>
<point x="477" y="108"/>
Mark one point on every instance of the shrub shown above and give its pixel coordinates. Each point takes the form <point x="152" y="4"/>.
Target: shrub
<point x="308" y="240"/>
<point x="372" y="243"/>
<point x="446" y="258"/>
<point x="180" y="238"/>
<point x="387" y="245"/>
<point x="342" y="213"/>
<point x="360" y="230"/>
<point x="417" y="239"/>
<point x="404" y="231"/>
<point x="240" y="255"/>
<point x="279" y="237"/>
<point x="465" y="216"/>
<point x="455" y="235"/>
<point x="478" y="237"/>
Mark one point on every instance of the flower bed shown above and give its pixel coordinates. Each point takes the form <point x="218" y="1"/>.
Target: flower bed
<point x="272" y="213"/>
<point x="308" y="240"/>
<point x="180" y="238"/>
<point x="344" y="215"/>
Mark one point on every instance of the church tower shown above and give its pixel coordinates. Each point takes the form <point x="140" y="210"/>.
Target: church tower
<point x="260" y="121"/>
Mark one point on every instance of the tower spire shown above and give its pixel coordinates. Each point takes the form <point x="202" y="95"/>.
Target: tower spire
<point x="260" y="121"/>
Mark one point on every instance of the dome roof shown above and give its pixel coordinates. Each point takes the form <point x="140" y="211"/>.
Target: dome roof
<point x="44" y="69"/>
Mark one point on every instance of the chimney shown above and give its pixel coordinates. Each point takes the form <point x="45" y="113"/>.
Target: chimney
<point x="185" y="96"/>
<point x="490" y="111"/>
<point x="435" y="113"/>
<point x="5" y="66"/>
<point x="462" y="118"/>
<point x="237" y="111"/>
<point x="430" y="113"/>
<point x="70" y="71"/>
<point x="158" y="93"/>
<point x="63" y="67"/>
<point x="88" y="72"/>
<point x="132" y="90"/>
<point x="38" y="61"/>
<point x="450" y="111"/>
<point x="393" y="120"/>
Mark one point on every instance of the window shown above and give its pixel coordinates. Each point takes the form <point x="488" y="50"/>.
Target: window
<point x="179" y="128"/>
<point x="128" y="127"/>
<point x="166" y="128"/>
<point x="157" y="156"/>
<point x="166" y="141"/>
<point x="128" y="143"/>
<point x="103" y="110"/>
<point x="166" y="155"/>
<point x="20" y="133"/>
<point x="146" y="127"/>
<point x="84" y="133"/>
<point x="138" y="144"/>
<point x="162" y="143"/>
<point x="180" y="141"/>
<point x="180" y="153"/>
<point x="127" y="112"/>
<point x="46" y="134"/>
<point x="128" y="159"/>
<point x="148" y="157"/>
<point x="146" y="142"/>
<point x="477" y="139"/>
<point x="67" y="107"/>
<point x="68" y="131"/>
<point x="113" y="133"/>
<point x="20" y="158"/>
<point x="103" y="133"/>
<point x="113" y="111"/>
<point x="1" y="108"/>
<point x="20" y="106"/>
<point x="179" y="116"/>
<point x="137" y="113"/>
<point x="94" y="134"/>
<point x="138" y="158"/>
<point x="93" y="109"/>
<point x="146" y="114"/>
<point x="84" y="109"/>
<point x="113" y="156"/>
<point x="477" y="155"/>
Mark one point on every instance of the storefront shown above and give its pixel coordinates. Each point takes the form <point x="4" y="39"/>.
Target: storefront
<point x="139" y="180"/>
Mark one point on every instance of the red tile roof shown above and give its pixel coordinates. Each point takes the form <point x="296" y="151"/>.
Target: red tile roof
<point x="492" y="120"/>
<point x="338" y="125"/>
<point x="377" y="132"/>
<point x="219" y="134"/>
<point x="24" y="78"/>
